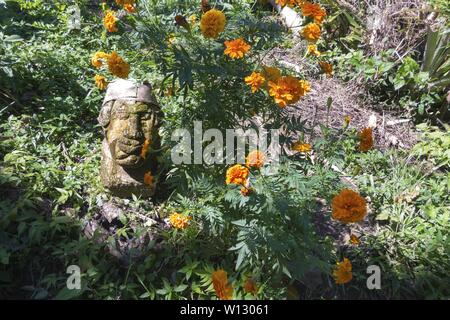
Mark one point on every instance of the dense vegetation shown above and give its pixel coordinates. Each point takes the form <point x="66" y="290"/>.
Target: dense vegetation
<point x="279" y="235"/>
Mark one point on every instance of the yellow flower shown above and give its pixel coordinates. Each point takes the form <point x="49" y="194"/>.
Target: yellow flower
<point x="313" y="10"/>
<point x="237" y="174"/>
<point x="109" y="21"/>
<point x="354" y="239"/>
<point x="144" y="149"/>
<point x="347" y="120"/>
<point x="148" y="178"/>
<point x="179" y="221"/>
<point x="224" y="291"/>
<point x="365" y="139"/>
<point x="125" y="2"/>
<point x="255" y="81"/>
<point x="250" y="286"/>
<point x="348" y="206"/>
<point x="212" y="23"/>
<point x="192" y="19"/>
<point x="98" y="59"/>
<point x="100" y="82"/>
<point x="326" y="67"/>
<point x="129" y="8"/>
<point x="290" y="3"/>
<point x="117" y="66"/>
<point x="312" y="49"/>
<point x="236" y="49"/>
<point x="343" y="272"/>
<point x="311" y="32"/>
<point x="255" y="159"/>
<point x="288" y="90"/>
<point x="301" y="147"/>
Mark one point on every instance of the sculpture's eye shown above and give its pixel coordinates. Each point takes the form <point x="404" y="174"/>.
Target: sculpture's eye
<point x="146" y="116"/>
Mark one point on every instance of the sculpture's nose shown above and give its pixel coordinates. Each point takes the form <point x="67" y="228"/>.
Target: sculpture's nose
<point x="133" y="130"/>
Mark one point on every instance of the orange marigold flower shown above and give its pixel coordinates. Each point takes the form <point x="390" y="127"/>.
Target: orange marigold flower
<point x="348" y="206"/>
<point x="343" y="272"/>
<point x="288" y="90"/>
<point x="109" y="21"/>
<point x="255" y="81"/>
<point x="237" y="174"/>
<point x="148" y="178"/>
<point x="117" y="66"/>
<point x="311" y="32"/>
<point x="365" y="139"/>
<point x="236" y="49"/>
<point x="326" y="67"/>
<point x="246" y="191"/>
<point x="212" y="23"/>
<point x="289" y="3"/>
<point x="313" y="10"/>
<point x="301" y="147"/>
<point x="271" y="73"/>
<point x="129" y="8"/>
<point x="354" y="239"/>
<point x="224" y="290"/>
<point x="98" y="58"/>
<point x="250" y="286"/>
<point x="125" y="2"/>
<point x="100" y="82"/>
<point x="144" y="149"/>
<point x="179" y="221"/>
<point x="255" y="159"/>
<point x="312" y="50"/>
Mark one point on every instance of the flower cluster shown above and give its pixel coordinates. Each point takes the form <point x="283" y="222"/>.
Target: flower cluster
<point x="110" y="20"/>
<point x="313" y="10"/>
<point x="212" y="23"/>
<point x="179" y="221"/>
<point x="348" y="206"/>
<point x="116" y="65"/>
<point x="343" y="272"/>
<point x="365" y="139"/>
<point x="311" y="32"/>
<point x="255" y="159"/>
<point x="145" y="148"/>
<point x="301" y="147"/>
<point x="327" y="68"/>
<point x="224" y="290"/>
<point x="237" y="174"/>
<point x="236" y="49"/>
<point x="100" y="82"/>
<point x="255" y="81"/>
<point x="148" y="179"/>
<point x="288" y="90"/>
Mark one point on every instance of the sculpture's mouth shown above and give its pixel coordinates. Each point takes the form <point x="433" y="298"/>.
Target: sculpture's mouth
<point x="129" y="161"/>
<point x="128" y="153"/>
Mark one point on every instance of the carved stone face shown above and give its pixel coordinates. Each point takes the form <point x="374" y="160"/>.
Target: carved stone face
<point x="130" y="117"/>
<point x="128" y="125"/>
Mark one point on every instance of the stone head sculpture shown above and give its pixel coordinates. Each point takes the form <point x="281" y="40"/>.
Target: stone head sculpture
<point x="130" y="117"/>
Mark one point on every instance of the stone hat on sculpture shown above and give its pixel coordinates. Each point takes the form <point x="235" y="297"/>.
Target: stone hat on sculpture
<point x="130" y="117"/>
